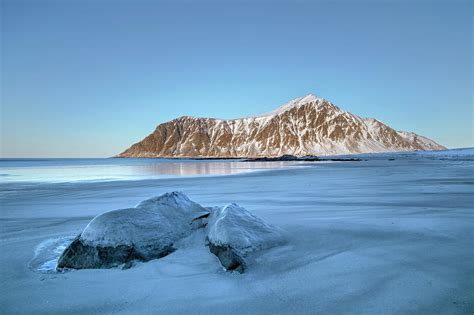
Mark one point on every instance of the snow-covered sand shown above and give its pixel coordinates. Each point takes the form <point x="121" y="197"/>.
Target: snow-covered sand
<point x="376" y="236"/>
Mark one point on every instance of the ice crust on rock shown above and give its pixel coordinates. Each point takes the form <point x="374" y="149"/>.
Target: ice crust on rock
<point x="145" y="232"/>
<point x="233" y="232"/>
<point x="162" y="219"/>
<point x="236" y="227"/>
<point x="154" y="226"/>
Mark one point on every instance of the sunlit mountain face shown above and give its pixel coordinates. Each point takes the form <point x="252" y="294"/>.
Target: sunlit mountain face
<point x="304" y="126"/>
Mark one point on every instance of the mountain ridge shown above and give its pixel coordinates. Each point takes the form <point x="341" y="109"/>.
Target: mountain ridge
<point x="308" y="125"/>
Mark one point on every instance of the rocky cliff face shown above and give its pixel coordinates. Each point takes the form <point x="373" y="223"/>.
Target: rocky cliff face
<point x="304" y="126"/>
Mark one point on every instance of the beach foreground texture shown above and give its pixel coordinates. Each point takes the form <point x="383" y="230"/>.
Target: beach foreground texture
<point x="390" y="234"/>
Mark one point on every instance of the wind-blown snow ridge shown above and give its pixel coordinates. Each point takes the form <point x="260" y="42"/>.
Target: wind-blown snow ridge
<point x="308" y="125"/>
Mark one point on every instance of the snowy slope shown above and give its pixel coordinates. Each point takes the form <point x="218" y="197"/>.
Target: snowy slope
<point x="304" y="126"/>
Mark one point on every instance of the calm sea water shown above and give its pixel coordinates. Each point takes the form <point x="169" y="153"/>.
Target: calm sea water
<point x="110" y="169"/>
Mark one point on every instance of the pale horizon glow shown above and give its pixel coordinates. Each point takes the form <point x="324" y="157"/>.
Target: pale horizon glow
<point x="90" y="78"/>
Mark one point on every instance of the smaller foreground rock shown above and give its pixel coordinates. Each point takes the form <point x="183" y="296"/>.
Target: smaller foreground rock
<point x="233" y="232"/>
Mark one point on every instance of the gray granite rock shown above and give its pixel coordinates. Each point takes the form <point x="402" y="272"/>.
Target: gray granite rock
<point x="146" y="232"/>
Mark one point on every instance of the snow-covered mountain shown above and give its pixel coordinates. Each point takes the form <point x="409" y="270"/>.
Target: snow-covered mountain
<point x="304" y="126"/>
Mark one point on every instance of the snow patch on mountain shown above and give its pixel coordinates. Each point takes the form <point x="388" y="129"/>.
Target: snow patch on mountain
<point x="310" y="98"/>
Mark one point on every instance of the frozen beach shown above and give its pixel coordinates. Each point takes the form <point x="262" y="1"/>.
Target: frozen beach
<point x="390" y="234"/>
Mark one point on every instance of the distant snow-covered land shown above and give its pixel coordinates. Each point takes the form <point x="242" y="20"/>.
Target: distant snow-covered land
<point x="392" y="234"/>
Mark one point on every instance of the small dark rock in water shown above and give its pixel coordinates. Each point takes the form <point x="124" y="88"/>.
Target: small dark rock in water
<point x="307" y="158"/>
<point x="286" y="157"/>
<point x="228" y="257"/>
<point x="340" y="160"/>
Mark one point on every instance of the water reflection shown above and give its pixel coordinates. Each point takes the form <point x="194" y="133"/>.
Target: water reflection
<point x="207" y="168"/>
<point x="125" y="169"/>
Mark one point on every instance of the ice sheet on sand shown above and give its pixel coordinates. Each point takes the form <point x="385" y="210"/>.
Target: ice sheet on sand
<point x="47" y="253"/>
<point x="377" y="236"/>
<point x="449" y="153"/>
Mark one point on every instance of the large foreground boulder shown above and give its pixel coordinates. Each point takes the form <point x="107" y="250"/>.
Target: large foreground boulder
<point x="233" y="232"/>
<point x="145" y="232"/>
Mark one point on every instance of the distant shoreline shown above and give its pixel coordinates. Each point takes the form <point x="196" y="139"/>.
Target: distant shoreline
<point x="285" y="158"/>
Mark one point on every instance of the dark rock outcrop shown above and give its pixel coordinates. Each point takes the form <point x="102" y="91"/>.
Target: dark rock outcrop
<point x="286" y="157"/>
<point x="82" y="256"/>
<point x="228" y="257"/>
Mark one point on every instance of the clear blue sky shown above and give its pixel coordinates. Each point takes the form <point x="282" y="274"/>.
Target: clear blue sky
<point x="89" y="78"/>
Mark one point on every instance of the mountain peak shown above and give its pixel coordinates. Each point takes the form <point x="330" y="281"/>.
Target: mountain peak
<point x="310" y="98"/>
